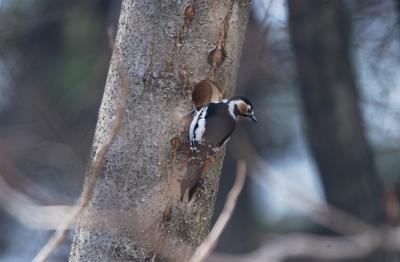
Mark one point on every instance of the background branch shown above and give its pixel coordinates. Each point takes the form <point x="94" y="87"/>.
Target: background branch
<point x="210" y="241"/>
<point x="59" y="236"/>
<point x="322" y="248"/>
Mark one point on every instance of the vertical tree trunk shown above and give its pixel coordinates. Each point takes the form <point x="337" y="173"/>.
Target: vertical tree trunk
<point x="320" y="37"/>
<point x="397" y="3"/>
<point x="165" y="47"/>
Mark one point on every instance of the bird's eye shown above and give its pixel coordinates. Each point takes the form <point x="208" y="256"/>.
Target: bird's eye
<point x="249" y="111"/>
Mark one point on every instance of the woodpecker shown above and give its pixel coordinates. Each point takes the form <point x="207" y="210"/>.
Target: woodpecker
<point x="209" y="130"/>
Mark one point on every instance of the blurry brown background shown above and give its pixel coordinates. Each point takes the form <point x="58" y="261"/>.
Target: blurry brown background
<point x="54" y="58"/>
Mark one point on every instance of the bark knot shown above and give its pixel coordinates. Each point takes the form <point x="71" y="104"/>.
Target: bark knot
<point x="166" y="216"/>
<point x="189" y="14"/>
<point x="217" y="56"/>
<point x="176" y="146"/>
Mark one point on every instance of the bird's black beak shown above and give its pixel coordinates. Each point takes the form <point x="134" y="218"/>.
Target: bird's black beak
<point x="254" y="119"/>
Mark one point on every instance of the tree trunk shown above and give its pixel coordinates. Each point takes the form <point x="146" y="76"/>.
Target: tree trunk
<point x="320" y="38"/>
<point x="165" y="47"/>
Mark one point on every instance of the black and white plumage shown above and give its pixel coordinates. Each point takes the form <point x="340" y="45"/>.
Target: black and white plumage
<point x="209" y="130"/>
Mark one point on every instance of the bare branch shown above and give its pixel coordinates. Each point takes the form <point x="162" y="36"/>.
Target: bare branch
<point x="322" y="213"/>
<point x="27" y="211"/>
<point x="360" y="240"/>
<point x="210" y="241"/>
<point x="59" y="236"/>
<point x="318" y="247"/>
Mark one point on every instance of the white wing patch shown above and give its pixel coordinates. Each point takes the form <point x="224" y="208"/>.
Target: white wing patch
<point x="201" y="126"/>
<point x="198" y="125"/>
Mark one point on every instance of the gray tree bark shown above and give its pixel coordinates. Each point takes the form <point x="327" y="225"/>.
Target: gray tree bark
<point x="165" y="47"/>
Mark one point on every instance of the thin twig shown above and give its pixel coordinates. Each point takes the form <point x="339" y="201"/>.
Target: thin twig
<point x="324" y="214"/>
<point x="210" y="241"/>
<point x="27" y="211"/>
<point x="322" y="248"/>
<point x="58" y="237"/>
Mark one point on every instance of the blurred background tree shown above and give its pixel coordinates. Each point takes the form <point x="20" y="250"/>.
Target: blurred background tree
<point x="54" y="57"/>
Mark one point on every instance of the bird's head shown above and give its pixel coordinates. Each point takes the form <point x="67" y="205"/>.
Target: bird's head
<point x="241" y="106"/>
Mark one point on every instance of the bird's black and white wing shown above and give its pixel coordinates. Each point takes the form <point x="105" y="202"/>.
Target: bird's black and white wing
<point x="210" y="129"/>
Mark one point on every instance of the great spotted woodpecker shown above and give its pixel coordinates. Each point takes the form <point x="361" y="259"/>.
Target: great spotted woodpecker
<point x="210" y="129"/>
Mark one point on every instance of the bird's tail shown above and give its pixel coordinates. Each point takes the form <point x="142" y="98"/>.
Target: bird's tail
<point x="199" y="158"/>
<point x="190" y="180"/>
